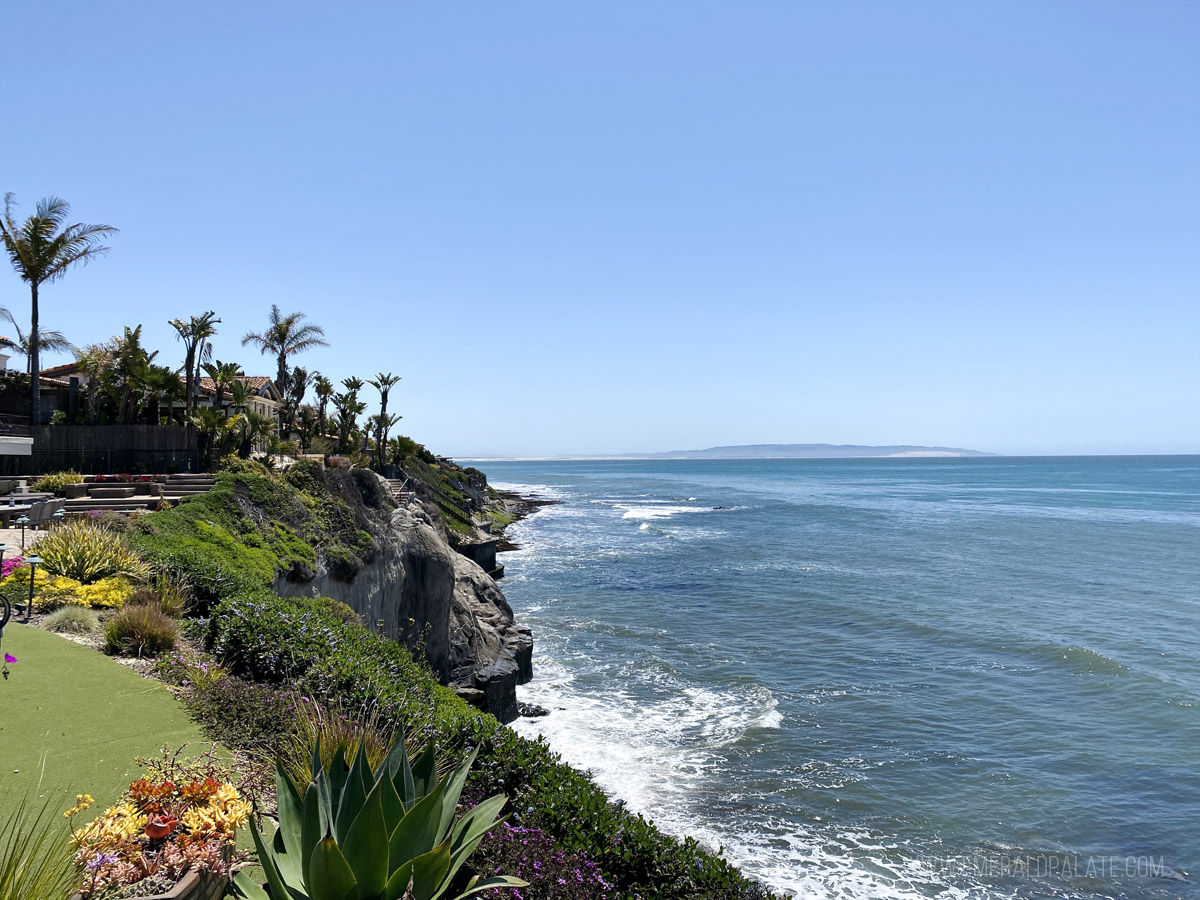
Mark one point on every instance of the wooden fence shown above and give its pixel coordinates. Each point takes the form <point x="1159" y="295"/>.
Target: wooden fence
<point x="109" y="450"/>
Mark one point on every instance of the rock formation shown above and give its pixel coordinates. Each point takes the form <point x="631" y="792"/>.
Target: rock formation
<point x="417" y="590"/>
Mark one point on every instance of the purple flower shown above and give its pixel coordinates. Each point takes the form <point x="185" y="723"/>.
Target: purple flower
<point x="101" y="859"/>
<point x="9" y="658"/>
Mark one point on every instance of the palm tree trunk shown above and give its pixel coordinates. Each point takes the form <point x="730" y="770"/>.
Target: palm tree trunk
<point x="35" y="381"/>
<point x="188" y="364"/>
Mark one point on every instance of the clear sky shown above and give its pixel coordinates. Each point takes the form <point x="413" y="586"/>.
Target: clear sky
<point x="648" y="225"/>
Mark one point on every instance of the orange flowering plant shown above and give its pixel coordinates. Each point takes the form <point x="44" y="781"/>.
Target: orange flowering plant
<point x="182" y="816"/>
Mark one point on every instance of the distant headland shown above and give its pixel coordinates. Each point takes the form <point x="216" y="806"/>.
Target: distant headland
<point x="782" y="451"/>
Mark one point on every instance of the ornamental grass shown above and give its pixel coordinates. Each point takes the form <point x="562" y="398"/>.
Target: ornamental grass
<point x="88" y="552"/>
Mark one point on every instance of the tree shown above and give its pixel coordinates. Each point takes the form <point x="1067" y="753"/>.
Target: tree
<point x="127" y="374"/>
<point x="161" y="383"/>
<point x="284" y="336"/>
<point x="94" y="361"/>
<point x="224" y="375"/>
<point x="194" y="333"/>
<point x="381" y="424"/>
<point x="323" y="388"/>
<point x="384" y="384"/>
<point x="253" y="428"/>
<point x="215" y="433"/>
<point x="298" y="383"/>
<point x="55" y="341"/>
<point x="307" y="425"/>
<point x="42" y="249"/>
<point x="349" y="408"/>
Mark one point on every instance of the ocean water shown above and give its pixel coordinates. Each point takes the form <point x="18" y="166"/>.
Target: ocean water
<point x="956" y="678"/>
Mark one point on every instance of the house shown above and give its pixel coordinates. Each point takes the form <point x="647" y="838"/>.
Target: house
<point x="264" y="396"/>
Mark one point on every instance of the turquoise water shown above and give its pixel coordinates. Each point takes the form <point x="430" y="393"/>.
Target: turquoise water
<point x="881" y="678"/>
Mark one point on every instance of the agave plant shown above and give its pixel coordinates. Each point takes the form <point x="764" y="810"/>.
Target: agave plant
<point x="363" y="834"/>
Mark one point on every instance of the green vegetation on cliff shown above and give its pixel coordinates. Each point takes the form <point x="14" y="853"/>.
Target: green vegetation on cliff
<point x="254" y="525"/>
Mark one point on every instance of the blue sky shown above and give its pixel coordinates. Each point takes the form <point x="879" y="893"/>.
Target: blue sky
<point x="636" y="226"/>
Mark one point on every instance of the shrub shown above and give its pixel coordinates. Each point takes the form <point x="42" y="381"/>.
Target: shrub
<point x="242" y="714"/>
<point x="53" y="591"/>
<point x="88" y="552"/>
<point x="140" y="631"/>
<point x="56" y="482"/>
<point x="72" y="620"/>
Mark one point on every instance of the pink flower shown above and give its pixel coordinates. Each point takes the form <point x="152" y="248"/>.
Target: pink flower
<point x="9" y="658"/>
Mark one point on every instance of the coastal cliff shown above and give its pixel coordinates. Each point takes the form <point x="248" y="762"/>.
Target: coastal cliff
<point x="399" y="554"/>
<point x="417" y="590"/>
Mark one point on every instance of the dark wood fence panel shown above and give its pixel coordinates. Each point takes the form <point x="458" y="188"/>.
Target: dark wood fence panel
<point x="108" y="450"/>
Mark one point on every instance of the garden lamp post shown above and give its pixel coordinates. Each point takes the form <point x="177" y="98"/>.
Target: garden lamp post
<point x="23" y="521"/>
<point x="58" y="515"/>
<point x="33" y="564"/>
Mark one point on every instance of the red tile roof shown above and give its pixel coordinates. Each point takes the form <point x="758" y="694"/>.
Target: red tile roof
<point x="254" y="382"/>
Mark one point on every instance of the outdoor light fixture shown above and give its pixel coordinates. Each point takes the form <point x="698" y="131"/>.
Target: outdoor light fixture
<point x="58" y="515"/>
<point x="23" y="521"/>
<point x="33" y="564"/>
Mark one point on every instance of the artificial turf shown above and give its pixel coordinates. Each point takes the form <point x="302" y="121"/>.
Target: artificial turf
<point x="72" y="721"/>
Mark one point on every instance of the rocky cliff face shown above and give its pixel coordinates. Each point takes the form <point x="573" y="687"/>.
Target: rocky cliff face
<point x="418" y="589"/>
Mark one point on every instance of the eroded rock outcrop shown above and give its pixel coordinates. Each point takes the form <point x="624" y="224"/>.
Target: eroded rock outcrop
<point x="417" y="589"/>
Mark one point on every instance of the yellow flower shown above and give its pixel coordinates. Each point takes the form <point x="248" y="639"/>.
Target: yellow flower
<point x="82" y="802"/>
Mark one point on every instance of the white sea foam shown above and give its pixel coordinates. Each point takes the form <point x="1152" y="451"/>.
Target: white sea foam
<point x="657" y="511"/>
<point x="664" y="755"/>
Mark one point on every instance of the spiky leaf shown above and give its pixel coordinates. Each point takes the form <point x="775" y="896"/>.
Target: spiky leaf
<point x="332" y="878"/>
<point x="366" y="845"/>
<point x="425" y="873"/>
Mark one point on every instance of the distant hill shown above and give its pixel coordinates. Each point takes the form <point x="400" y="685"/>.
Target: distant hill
<point x="811" y="451"/>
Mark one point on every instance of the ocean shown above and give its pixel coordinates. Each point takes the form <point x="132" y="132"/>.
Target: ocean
<point x="884" y="678"/>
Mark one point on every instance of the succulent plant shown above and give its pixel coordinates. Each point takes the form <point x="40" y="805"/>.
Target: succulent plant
<point x="358" y="834"/>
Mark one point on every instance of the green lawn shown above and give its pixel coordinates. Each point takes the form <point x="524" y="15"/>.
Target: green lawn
<point x="72" y="720"/>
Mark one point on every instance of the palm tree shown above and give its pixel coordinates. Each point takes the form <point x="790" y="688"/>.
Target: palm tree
<point x="349" y="408"/>
<point x="353" y="385"/>
<point x="381" y="424"/>
<point x="239" y="395"/>
<point x="298" y="383"/>
<point x="253" y="428"/>
<point x="94" y="361"/>
<point x="223" y="375"/>
<point x="284" y="336"/>
<point x="384" y="384"/>
<point x="197" y="349"/>
<point x="323" y="388"/>
<point x="127" y="374"/>
<point x="160" y="383"/>
<point x="42" y="249"/>
<point x="215" y="432"/>
<point x="54" y="341"/>
<point x="306" y="421"/>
